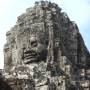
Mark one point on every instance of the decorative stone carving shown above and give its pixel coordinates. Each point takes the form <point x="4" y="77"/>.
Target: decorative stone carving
<point x="42" y="49"/>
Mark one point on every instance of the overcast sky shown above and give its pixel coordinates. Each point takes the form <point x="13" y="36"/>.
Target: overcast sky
<point x="77" y="10"/>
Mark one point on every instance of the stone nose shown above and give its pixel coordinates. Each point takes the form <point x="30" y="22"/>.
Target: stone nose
<point x="33" y="43"/>
<point x="28" y="50"/>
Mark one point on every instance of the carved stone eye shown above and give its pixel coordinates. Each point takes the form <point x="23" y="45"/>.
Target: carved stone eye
<point x="34" y="43"/>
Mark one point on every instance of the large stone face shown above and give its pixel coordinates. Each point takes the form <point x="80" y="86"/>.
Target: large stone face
<point x="44" y="50"/>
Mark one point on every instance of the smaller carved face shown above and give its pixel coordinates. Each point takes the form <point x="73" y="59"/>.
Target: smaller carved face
<point x="37" y="50"/>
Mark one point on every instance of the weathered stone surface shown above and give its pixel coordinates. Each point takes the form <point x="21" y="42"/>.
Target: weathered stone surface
<point x="3" y="84"/>
<point x="45" y="51"/>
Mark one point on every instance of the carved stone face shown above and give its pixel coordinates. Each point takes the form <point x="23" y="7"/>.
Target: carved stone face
<point x="37" y="50"/>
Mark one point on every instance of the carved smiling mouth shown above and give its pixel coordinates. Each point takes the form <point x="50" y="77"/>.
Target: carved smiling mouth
<point x="30" y="56"/>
